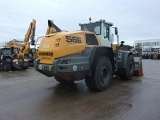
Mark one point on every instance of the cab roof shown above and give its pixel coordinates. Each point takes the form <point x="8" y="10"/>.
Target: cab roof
<point x="100" y="21"/>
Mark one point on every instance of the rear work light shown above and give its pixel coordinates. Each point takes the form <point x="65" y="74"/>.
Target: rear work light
<point x="67" y="61"/>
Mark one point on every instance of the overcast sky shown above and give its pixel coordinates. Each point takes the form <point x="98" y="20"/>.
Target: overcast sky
<point x="135" y="19"/>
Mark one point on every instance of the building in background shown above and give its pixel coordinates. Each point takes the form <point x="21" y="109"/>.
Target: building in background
<point x="149" y="45"/>
<point x="148" y="48"/>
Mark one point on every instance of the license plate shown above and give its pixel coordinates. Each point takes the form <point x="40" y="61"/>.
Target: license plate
<point x="45" y="67"/>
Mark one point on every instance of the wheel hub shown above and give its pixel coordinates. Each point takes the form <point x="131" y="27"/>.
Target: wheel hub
<point x="104" y="75"/>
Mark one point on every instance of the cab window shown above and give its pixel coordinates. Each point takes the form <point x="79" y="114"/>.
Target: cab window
<point x="91" y="39"/>
<point x="92" y="27"/>
<point x="106" y="31"/>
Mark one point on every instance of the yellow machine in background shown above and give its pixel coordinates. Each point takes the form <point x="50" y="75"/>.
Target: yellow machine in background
<point x="155" y="53"/>
<point x="18" y="60"/>
<point x="14" y="44"/>
<point x="21" y="50"/>
<point x="29" y="41"/>
<point x="85" y="54"/>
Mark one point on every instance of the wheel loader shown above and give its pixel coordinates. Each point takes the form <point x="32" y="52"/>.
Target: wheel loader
<point x="84" y="54"/>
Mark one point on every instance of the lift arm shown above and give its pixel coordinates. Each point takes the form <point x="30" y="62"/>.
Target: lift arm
<point x="52" y="28"/>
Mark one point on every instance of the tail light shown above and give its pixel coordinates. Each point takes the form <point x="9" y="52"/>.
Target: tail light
<point x="67" y="61"/>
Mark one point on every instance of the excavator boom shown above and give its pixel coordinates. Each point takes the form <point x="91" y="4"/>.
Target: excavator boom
<point x="23" y="48"/>
<point x="31" y="32"/>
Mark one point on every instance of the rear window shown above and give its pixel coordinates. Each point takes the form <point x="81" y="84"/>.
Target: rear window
<point x="91" y="39"/>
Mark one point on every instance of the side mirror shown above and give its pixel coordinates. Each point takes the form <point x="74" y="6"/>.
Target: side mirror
<point x="116" y="31"/>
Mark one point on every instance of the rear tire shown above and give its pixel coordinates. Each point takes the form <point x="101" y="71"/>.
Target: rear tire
<point x="62" y="81"/>
<point x="128" y="71"/>
<point x="101" y="74"/>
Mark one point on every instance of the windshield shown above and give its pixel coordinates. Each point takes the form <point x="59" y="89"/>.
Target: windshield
<point x="6" y="51"/>
<point x="92" y="27"/>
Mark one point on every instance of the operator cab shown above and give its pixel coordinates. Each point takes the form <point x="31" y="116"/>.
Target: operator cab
<point x="102" y="29"/>
<point x="5" y="51"/>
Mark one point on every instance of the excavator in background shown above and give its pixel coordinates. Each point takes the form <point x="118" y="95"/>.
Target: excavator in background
<point x="85" y="54"/>
<point x="14" y="45"/>
<point x="21" y="51"/>
<point x="29" y="41"/>
<point x="27" y="51"/>
<point x="18" y="59"/>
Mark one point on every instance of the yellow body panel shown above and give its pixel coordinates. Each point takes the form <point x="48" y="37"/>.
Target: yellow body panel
<point x="114" y="47"/>
<point x="61" y="44"/>
<point x="15" y="60"/>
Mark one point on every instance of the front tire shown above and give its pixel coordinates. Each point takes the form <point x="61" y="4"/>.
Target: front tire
<point x="101" y="74"/>
<point x="128" y="71"/>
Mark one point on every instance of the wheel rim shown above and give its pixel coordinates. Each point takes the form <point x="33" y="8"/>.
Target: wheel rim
<point x="104" y="75"/>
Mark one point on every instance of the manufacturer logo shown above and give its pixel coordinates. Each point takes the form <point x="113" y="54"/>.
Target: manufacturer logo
<point x="73" y="39"/>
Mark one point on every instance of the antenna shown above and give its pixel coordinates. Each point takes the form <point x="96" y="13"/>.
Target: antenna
<point x="90" y="19"/>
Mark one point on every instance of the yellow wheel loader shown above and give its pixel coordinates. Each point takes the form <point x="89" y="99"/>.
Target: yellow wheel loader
<point x="85" y="54"/>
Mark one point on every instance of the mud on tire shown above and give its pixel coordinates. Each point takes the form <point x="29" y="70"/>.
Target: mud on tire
<point x="101" y="74"/>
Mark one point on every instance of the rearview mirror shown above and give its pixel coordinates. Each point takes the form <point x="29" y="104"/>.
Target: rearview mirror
<point x="116" y="31"/>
